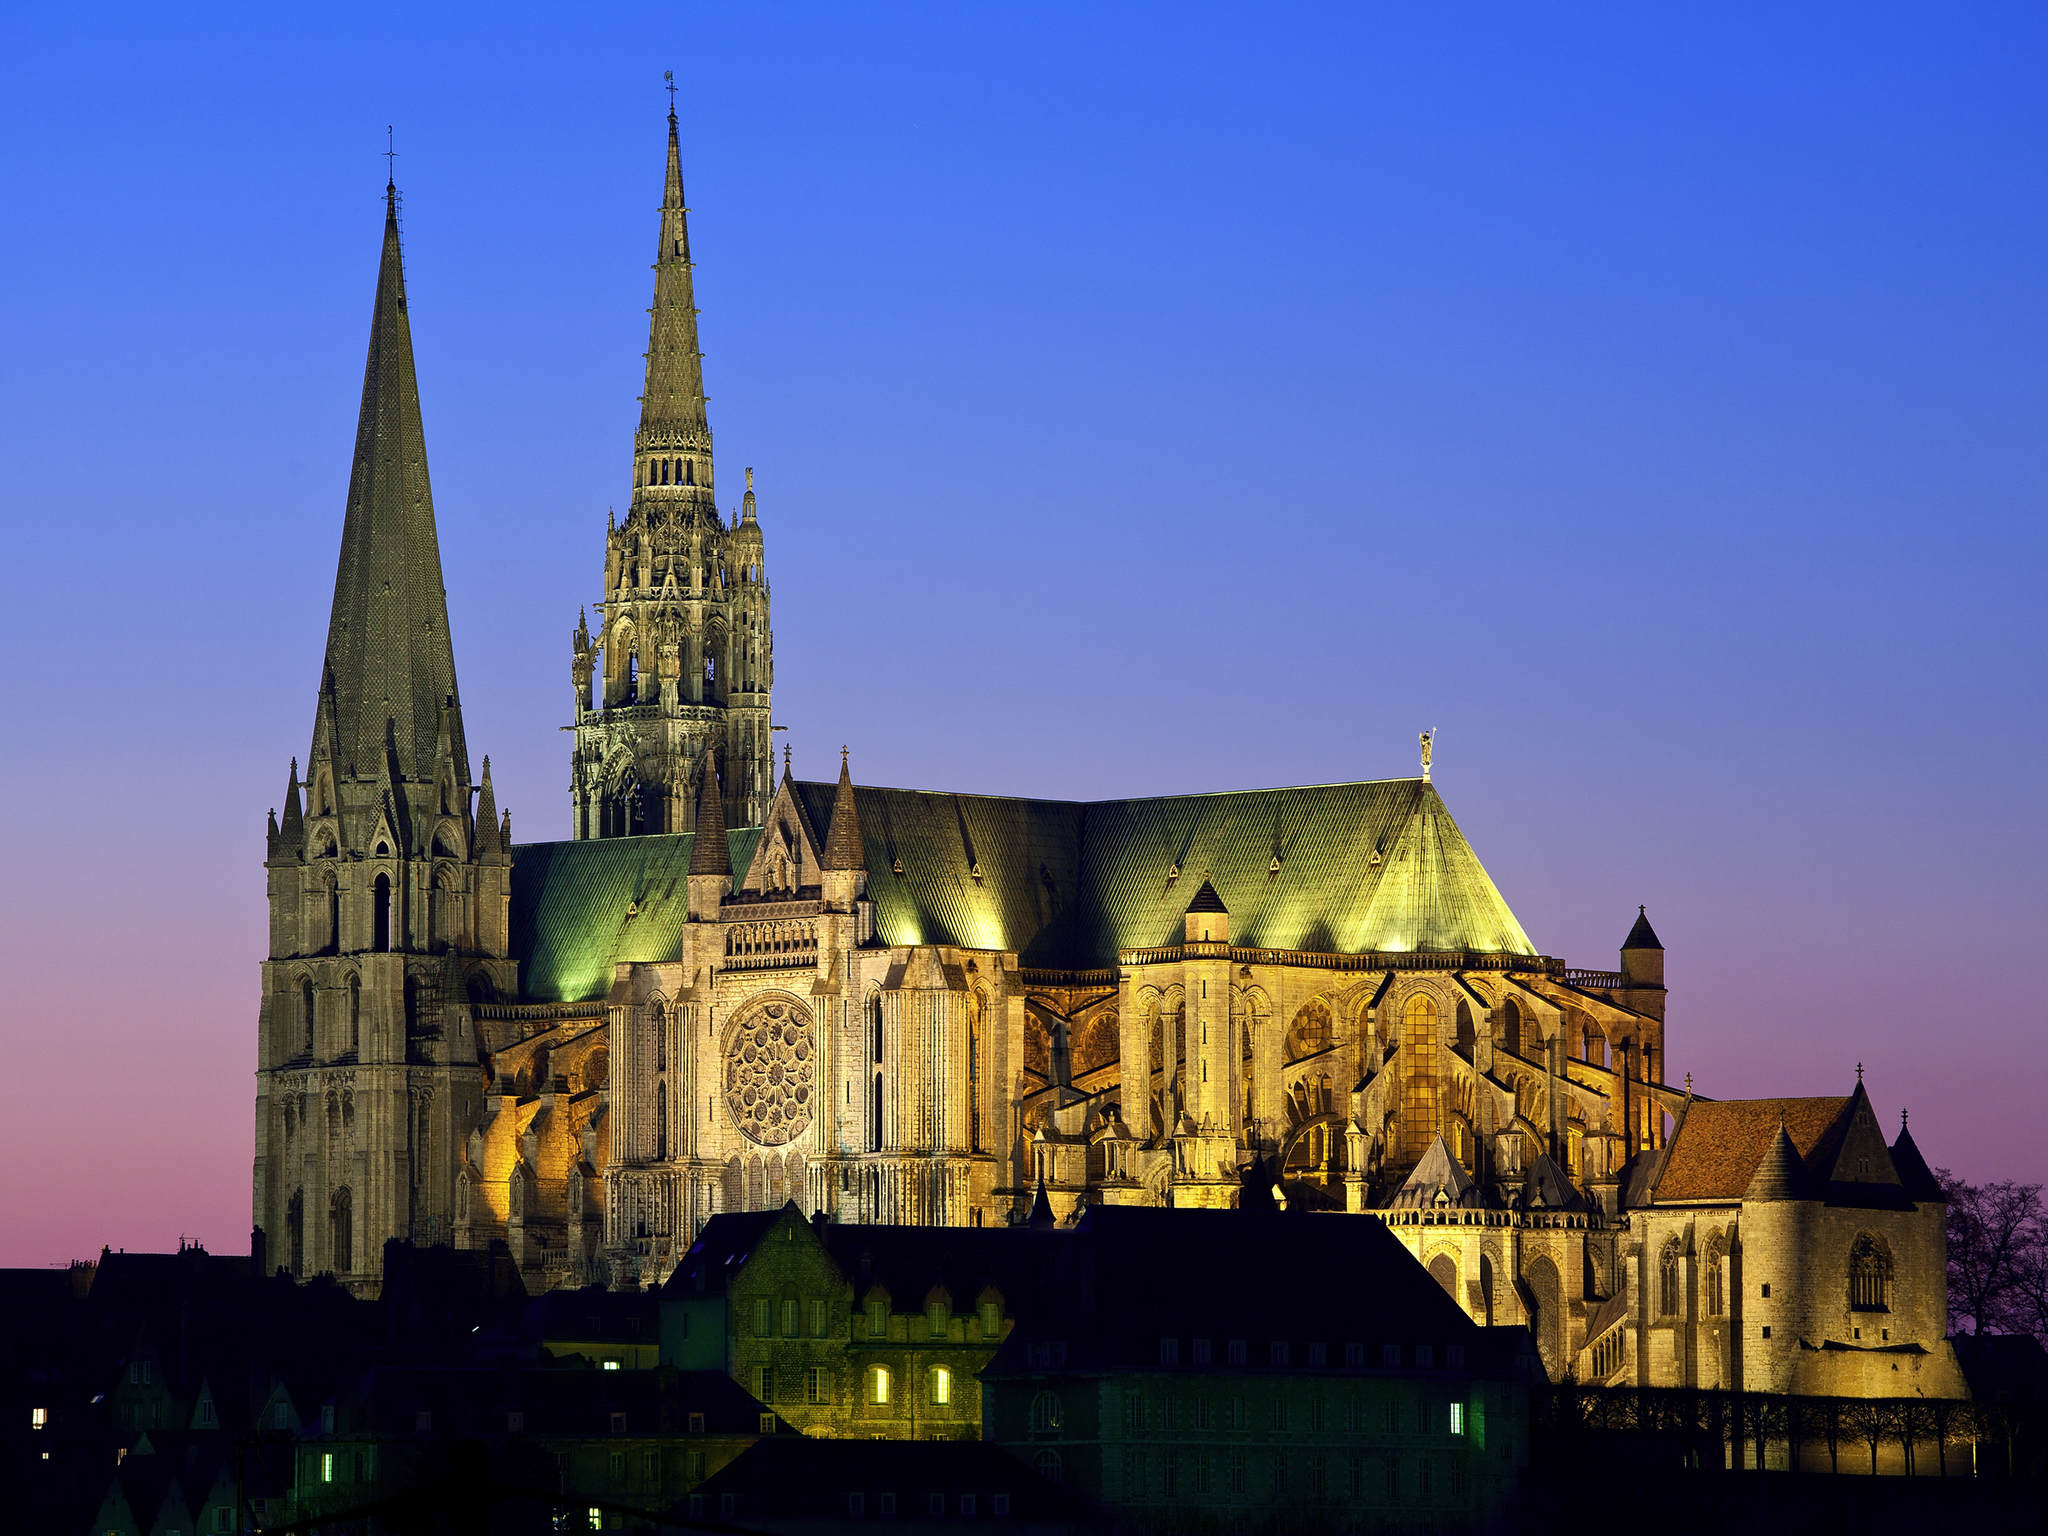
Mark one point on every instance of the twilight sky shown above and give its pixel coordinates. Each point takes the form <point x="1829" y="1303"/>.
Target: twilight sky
<point x="1183" y="398"/>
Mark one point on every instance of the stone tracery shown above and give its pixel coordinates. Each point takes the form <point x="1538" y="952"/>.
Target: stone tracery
<point x="770" y="1072"/>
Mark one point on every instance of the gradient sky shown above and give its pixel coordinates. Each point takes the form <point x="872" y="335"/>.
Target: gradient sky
<point x="1172" y="399"/>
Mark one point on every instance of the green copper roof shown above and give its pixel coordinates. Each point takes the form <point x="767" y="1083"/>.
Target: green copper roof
<point x="1362" y="867"/>
<point x="581" y="908"/>
<point x="1066" y="884"/>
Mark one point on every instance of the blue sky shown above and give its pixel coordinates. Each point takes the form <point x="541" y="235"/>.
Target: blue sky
<point x="1142" y="399"/>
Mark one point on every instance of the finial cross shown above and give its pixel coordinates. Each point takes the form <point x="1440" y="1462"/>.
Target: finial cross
<point x="1859" y="1071"/>
<point x="390" y="155"/>
<point x="669" y="75"/>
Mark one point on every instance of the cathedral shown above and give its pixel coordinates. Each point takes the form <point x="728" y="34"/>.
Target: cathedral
<point x="726" y="990"/>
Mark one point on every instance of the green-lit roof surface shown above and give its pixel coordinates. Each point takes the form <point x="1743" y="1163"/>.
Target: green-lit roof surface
<point x="1062" y="883"/>
<point x="580" y="908"/>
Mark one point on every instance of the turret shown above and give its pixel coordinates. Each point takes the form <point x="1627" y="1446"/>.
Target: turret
<point x="1642" y="955"/>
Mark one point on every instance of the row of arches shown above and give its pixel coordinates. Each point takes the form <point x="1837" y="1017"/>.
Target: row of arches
<point x="341" y="1232"/>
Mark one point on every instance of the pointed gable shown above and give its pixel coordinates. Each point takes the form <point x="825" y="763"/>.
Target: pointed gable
<point x="790" y="852"/>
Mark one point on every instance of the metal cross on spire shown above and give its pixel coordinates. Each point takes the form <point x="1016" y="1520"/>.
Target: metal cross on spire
<point x="669" y="76"/>
<point x="390" y="157"/>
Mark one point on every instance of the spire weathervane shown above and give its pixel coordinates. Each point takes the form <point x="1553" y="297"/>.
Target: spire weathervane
<point x="1428" y="739"/>
<point x="669" y="76"/>
<point x="390" y="157"/>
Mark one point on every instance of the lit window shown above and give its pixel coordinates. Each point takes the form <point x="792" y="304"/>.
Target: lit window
<point x="878" y="1383"/>
<point x="327" y="1466"/>
<point x="611" y="1365"/>
<point x="596" y="1517"/>
<point x="39" y="1418"/>
<point x="1457" y="1418"/>
<point x="942" y="1386"/>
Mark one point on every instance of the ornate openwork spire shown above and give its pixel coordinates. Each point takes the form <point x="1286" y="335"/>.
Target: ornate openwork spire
<point x="672" y="409"/>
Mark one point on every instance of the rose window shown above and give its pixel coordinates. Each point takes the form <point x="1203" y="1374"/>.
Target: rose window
<point x="770" y="1070"/>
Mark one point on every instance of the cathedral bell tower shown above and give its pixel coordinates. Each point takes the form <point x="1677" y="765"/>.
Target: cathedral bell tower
<point x="389" y="895"/>
<point x="683" y="660"/>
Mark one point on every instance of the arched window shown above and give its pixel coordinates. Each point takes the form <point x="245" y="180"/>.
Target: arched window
<point x="333" y="944"/>
<point x="341" y="1223"/>
<point x="1717" y="1301"/>
<point x="1045" y="1413"/>
<point x="380" y="932"/>
<point x="355" y="1017"/>
<point x="1513" y="1033"/>
<point x="632" y="679"/>
<point x="1048" y="1466"/>
<point x="1870" y="1275"/>
<point x="689" y="471"/>
<point x="1419" y="1076"/>
<point x="1466" y="1033"/>
<point x="878" y="1385"/>
<point x="1443" y="1269"/>
<point x="1668" y="1289"/>
<point x="942" y="1386"/>
<point x="660" y="1120"/>
<point x="875" y="1114"/>
<point x="658" y="1018"/>
<point x="974" y="1070"/>
<point x="295" y="1231"/>
<point x="305" y="1016"/>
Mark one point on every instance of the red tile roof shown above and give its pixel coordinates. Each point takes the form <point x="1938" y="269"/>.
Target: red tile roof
<point x="1720" y="1143"/>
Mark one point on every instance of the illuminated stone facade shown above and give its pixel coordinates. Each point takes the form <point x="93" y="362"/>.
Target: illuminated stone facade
<point x="898" y="1006"/>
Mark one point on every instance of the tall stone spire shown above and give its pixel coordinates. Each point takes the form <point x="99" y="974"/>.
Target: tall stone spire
<point x="389" y="657"/>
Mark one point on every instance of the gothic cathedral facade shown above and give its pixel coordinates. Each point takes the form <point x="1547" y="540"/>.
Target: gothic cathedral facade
<point x="725" y="991"/>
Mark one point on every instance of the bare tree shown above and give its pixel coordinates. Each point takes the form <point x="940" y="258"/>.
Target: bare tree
<point x="1997" y="1255"/>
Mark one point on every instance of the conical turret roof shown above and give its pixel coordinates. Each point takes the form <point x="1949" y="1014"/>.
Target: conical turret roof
<point x="1780" y="1174"/>
<point x="389" y="654"/>
<point x="1642" y="935"/>
<point x="1918" y="1179"/>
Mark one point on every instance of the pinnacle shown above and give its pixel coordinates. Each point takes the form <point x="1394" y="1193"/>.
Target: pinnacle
<point x="843" y="846"/>
<point x="709" y="853"/>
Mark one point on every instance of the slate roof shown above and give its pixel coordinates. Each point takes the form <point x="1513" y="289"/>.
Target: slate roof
<point x="570" y="919"/>
<point x="1377" y="865"/>
<point x="1719" y="1144"/>
<point x="1642" y="935"/>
